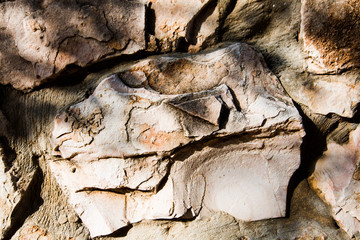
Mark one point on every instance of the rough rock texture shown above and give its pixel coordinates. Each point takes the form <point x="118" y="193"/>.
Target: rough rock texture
<point x="125" y="147"/>
<point x="330" y="31"/>
<point x="331" y="94"/>
<point x="179" y="118"/>
<point x="177" y="26"/>
<point x="247" y="18"/>
<point x="14" y="185"/>
<point x="336" y="179"/>
<point x="42" y="38"/>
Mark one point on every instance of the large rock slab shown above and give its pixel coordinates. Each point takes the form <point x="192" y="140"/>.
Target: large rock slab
<point x="179" y="137"/>
<point x="336" y="180"/>
<point x="330" y="31"/>
<point x="41" y="39"/>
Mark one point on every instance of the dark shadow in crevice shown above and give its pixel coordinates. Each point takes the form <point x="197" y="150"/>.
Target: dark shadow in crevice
<point x="30" y="203"/>
<point x="122" y="232"/>
<point x="312" y="147"/>
<point x="73" y="74"/>
<point x="194" y="26"/>
<point x="150" y="19"/>
<point x="9" y="155"/>
<point x="224" y="117"/>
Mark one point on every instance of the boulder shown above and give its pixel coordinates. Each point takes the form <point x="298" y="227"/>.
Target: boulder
<point x="179" y="137"/>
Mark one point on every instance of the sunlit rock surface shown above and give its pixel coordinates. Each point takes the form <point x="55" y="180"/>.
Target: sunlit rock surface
<point x="336" y="180"/>
<point x="179" y="137"/>
<point x="325" y="94"/>
<point x="42" y="38"/>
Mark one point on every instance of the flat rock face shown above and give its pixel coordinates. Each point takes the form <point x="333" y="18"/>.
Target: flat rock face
<point x="336" y="180"/>
<point x="41" y="39"/>
<point x="179" y="137"/>
<point x="330" y="31"/>
<point x="325" y="94"/>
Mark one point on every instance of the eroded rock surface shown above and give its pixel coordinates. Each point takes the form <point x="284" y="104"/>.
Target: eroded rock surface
<point x="130" y="151"/>
<point x="336" y="180"/>
<point x="14" y="186"/>
<point x="325" y="94"/>
<point x="330" y="31"/>
<point x="40" y="39"/>
<point x="183" y="25"/>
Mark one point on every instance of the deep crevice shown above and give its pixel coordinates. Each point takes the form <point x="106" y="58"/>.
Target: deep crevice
<point x="194" y="25"/>
<point x="30" y="202"/>
<point x="312" y="147"/>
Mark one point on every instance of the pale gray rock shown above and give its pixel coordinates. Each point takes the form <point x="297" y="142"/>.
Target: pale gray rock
<point x="330" y="33"/>
<point x="42" y="38"/>
<point x="131" y="151"/>
<point x="336" y="180"/>
<point x="324" y="93"/>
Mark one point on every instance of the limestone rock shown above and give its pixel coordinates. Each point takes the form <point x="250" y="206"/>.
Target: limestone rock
<point x="325" y="94"/>
<point x="187" y="23"/>
<point x="330" y="31"/>
<point x="41" y="39"/>
<point x="172" y="137"/>
<point x="336" y="180"/>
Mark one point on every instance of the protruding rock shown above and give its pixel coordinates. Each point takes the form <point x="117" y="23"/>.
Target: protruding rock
<point x="41" y="39"/>
<point x="325" y="93"/>
<point x="184" y="24"/>
<point x="330" y="31"/>
<point x="336" y="180"/>
<point x="177" y="137"/>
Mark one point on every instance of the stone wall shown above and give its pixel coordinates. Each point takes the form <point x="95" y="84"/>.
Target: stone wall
<point x="174" y="119"/>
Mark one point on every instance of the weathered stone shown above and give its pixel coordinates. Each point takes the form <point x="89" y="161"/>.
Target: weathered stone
<point x="247" y="18"/>
<point x="32" y="232"/>
<point x="325" y="94"/>
<point x="42" y="39"/>
<point x="336" y="180"/>
<point x="330" y="31"/>
<point x="13" y="188"/>
<point x="127" y="153"/>
<point x="184" y="24"/>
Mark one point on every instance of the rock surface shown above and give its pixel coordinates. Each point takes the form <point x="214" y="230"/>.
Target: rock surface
<point x="325" y="94"/>
<point x="330" y="31"/>
<point x="42" y="38"/>
<point x="179" y="24"/>
<point x="336" y="179"/>
<point x="181" y="119"/>
<point x="127" y="149"/>
<point x="14" y="186"/>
